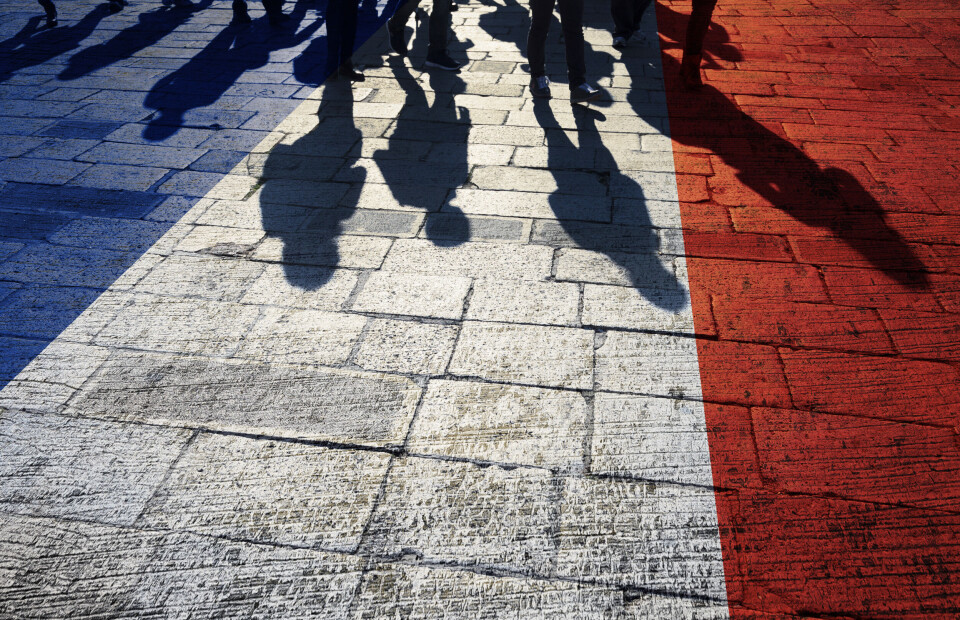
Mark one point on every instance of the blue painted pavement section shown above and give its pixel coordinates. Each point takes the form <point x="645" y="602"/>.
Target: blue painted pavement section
<point x="113" y="125"/>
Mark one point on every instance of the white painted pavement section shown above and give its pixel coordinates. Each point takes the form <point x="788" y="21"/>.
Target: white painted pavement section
<point x="404" y="373"/>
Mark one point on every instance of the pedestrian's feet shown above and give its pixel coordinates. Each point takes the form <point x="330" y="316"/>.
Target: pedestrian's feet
<point x="690" y="71"/>
<point x="620" y="41"/>
<point x="115" y="6"/>
<point x="348" y="72"/>
<point x="454" y="6"/>
<point x="584" y="94"/>
<point x="540" y="87"/>
<point x="397" y="44"/>
<point x="51" y="21"/>
<point x="442" y="61"/>
<point x="240" y="18"/>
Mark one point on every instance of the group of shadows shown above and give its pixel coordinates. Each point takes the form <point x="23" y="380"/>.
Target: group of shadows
<point x="828" y="198"/>
<point x="772" y="167"/>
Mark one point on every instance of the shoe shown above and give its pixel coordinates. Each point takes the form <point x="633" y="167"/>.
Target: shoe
<point x="619" y="42"/>
<point x="454" y="6"/>
<point x="115" y="7"/>
<point x="690" y="71"/>
<point x="347" y="72"/>
<point x="584" y="93"/>
<point x="442" y="61"/>
<point x="540" y="87"/>
<point x="397" y="44"/>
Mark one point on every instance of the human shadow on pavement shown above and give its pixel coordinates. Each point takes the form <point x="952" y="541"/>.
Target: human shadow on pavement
<point x="632" y="242"/>
<point x="301" y="206"/>
<point x="208" y="75"/>
<point x="429" y="183"/>
<point x="31" y="47"/>
<point x="310" y="195"/>
<point x="149" y="29"/>
<point x="782" y="176"/>
<point x="585" y="219"/>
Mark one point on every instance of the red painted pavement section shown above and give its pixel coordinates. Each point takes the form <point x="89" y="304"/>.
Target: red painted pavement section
<point x="818" y="175"/>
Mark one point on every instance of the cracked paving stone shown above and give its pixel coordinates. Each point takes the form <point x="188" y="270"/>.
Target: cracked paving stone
<point x="647" y="535"/>
<point x="68" y="569"/>
<point x="461" y="513"/>
<point x="270" y="491"/>
<point x="82" y="469"/>
<point x="245" y="396"/>
<point x="398" y="591"/>
<point x="501" y="423"/>
<point x="650" y="438"/>
<point x="528" y="354"/>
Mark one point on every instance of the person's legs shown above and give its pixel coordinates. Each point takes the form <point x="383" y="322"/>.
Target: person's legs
<point x="540" y="13"/>
<point x="51" y="10"/>
<point x="698" y="25"/>
<point x="622" y="13"/>
<point x="571" y="20"/>
<point x="439" y="27"/>
<point x="693" y="44"/>
<point x="399" y="20"/>
<point x="342" y="34"/>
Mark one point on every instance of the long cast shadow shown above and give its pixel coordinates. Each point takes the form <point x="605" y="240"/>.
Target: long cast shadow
<point x="207" y="76"/>
<point x="31" y="47"/>
<point x="632" y="242"/>
<point x="429" y="184"/>
<point x="299" y="200"/>
<point x="149" y="29"/>
<point x="784" y="176"/>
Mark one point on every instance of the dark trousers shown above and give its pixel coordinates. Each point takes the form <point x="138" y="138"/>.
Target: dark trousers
<point x="698" y="25"/>
<point x="341" y="32"/>
<point x="439" y="22"/>
<point x="49" y="8"/>
<point x="627" y="15"/>
<point x="571" y="21"/>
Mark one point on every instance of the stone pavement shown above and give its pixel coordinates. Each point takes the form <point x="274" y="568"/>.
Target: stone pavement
<point x="424" y="347"/>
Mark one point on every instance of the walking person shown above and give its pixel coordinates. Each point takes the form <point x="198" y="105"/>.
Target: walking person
<point x="341" y="37"/>
<point x="571" y="21"/>
<point x="626" y="16"/>
<point x="693" y="43"/>
<point x="439" y="27"/>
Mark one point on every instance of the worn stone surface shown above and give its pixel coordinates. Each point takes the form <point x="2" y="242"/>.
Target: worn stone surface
<point x="428" y="296"/>
<point x="406" y="347"/>
<point x="651" y="438"/>
<point x="416" y="348"/>
<point x="654" y="364"/>
<point x="460" y="513"/>
<point x="512" y="301"/>
<point x="527" y="354"/>
<point x="74" y="569"/>
<point x="502" y="424"/>
<point x="400" y="591"/>
<point x="271" y="492"/>
<point x="614" y="531"/>
<point x="77" y="468"/>
<point x="310" y="337"/>
<point x="252" y="397"/>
